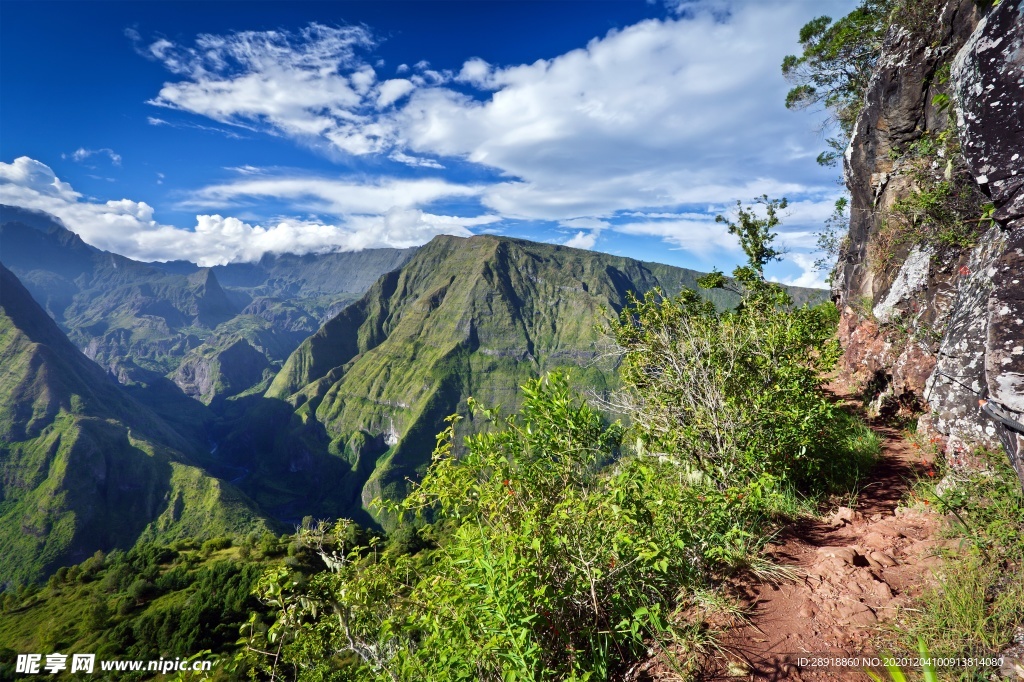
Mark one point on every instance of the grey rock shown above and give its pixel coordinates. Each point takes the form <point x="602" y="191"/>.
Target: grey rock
<point x="988" y="80"/>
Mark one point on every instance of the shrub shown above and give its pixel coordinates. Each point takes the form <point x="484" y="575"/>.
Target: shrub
<point x="551" y="564"/>
<point x="735" y="394"/>
<point x="142" y="590"/>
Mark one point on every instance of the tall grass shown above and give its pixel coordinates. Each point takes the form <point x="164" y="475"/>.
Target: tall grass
<point x="976" y="606"/>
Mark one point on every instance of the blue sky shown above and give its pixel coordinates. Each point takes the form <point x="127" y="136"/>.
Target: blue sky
<point x="218" y="132"/>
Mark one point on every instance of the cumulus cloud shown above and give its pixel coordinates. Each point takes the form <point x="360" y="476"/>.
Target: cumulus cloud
<point x="699" y="235"/>
<point x="587" y="237"/>
<point x="308" y="85"/>
<point x="582" y="240"/>
<point x="390" y="91"/>
<point x="648" y="120"/>
<point x="314" y="194"/>
<point x="658" y="114"/>
<point x="662" y="111"/>
<point x="386" y="215"/>
<point x="809" y="275"/>
<point x="30" y="177"/>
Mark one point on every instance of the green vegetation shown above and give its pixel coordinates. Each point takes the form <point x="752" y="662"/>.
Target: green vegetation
<point x="944" y="209"/>
<point x="834" y="69"/>
<point x="977" y="604"/>
<point x="554" y="545"/>
<point x="833" y="237"/>
<point x="149" y="602"/>
<point x="82" y="465"/>
<point x="737" y="394"/>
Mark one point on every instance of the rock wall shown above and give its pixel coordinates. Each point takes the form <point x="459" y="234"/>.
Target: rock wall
<point x="938" y="324"/>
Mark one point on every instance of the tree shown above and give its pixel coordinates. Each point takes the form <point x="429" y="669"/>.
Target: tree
<point x="835" y="67"/>
<point x="832" y="237"/>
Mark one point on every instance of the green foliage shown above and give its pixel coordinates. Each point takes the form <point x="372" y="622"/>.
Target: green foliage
<point x="756" y="235"/>
<point x="149" y="602"/>
<point x="978" y="601"/>
<point x="835" y="67"/>
<point x="736" y="394"/>
<point x="832" y="237"/>
<point x="944" y="209"/>
<point x="550" y="567"/>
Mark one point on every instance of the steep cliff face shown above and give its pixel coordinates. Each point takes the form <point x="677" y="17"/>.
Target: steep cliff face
<point x="932" y="307"/>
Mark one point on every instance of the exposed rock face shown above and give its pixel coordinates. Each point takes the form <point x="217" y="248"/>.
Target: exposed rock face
<point x="222" y="372"/>
<point x="946" y="327"/>
<point x="988" y="78"/>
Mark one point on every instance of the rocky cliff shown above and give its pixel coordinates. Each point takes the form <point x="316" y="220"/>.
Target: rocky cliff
<point x="928" y="279"/>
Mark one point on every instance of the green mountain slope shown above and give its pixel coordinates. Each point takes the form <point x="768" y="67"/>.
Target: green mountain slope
<point x="464" y="317"/>
<point x="83" y="466"/>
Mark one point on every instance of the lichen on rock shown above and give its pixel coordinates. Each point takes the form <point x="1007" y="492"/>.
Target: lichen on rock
<point x="952" y="315"/>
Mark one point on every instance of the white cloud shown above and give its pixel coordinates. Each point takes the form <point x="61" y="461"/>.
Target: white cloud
<point x="634" y="129"/>
<point x="334" y="197"/>
<point x="658" y="114"/>
<point x="582" y="240"/>
<point x="383" y="215"/>
<point x="476" y="72"/>
<point x="701" y="236"/>
<point x="589" y="223"/>
<point x="587" y="237"/>
<point x="391" y="91"/>
<point x="308" y="85"/>
<point x="415" y="160"/>
<point x="81" y="154"/>
<point x="32" y="177"/>
<point x="649" y="117"/>
<point x="809" y="275"/>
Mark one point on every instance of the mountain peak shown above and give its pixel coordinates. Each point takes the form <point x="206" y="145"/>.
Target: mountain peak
<point x="38" y="220"/>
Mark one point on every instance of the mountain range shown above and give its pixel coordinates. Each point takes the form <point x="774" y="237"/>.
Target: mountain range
<point x="84" y="465"/>
<point x="150" y="400"/>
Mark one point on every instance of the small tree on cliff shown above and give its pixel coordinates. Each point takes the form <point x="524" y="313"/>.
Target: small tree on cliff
<point x="835" y="68"/>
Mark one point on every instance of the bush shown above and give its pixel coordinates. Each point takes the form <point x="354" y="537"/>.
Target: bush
<point x="215" y="545"/>
<point x="738" y="394"/>
<point x="943" y="211"/>
<point x="142" y="590"/>
<point x="551" y="565"/>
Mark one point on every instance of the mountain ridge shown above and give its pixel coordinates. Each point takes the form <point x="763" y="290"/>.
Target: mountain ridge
<point x="465" y="316"/>
<point x="85" y="466"/>
<point x="142" y="320"/>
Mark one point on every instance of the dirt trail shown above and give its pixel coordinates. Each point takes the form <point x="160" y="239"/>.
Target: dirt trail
<point x="853" y="571"/>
